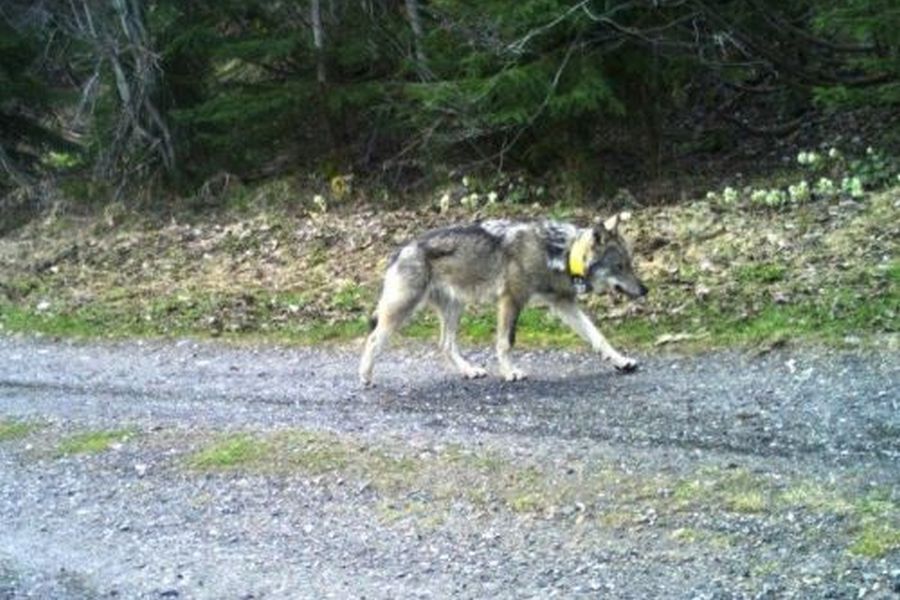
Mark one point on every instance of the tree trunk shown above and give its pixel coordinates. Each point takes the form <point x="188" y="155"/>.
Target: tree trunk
<point x="315" y="14"/>
<point x="415" y="22"/>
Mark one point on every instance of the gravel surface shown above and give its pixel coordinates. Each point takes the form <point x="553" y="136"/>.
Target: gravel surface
<point x="720" y="475"/>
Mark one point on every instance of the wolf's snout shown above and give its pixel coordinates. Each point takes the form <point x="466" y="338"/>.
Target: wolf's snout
<point x="634" y="289"/>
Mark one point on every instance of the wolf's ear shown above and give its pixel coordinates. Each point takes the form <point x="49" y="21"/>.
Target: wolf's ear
<point x="612" y="223"/>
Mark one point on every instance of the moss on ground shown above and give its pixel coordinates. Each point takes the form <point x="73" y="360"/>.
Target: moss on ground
<point x="423" y="485"/>
<point x="12" y="429"/>
<point x="92" y="442"/>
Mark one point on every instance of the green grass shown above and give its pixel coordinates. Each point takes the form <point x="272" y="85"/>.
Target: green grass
<point x="816" y="497"/>
<point x="695" y="535"/>
<point x="734" y="490"/>
<point x="746" y="501"/>
<point x="867" y="524"/>
<point x="761" y="273"/>
<point x="876" y="540"/>
<point x="536" y="328"/>
<point x="229" y="452"/>
<point x="878" y="524"/>
<point x="312" y="453"/>
<point x="826" y="319"/>
<point x="92" y="442"/>
<point x="14" y="430"/>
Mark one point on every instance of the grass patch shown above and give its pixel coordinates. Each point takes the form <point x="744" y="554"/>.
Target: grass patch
<point x="423" y="485"/>
<point x="421" y="512"/>
<point x="16" y="318"/>
<point x="876" y="540"/>
<point x="878" y="529"/>
<point x="536" y="328"/>
<point x="827" y="318"/>
<point x="815" y="497"/>
<point x="526" y="502"/>
<point x="746" y="501"/>
<point x="92" y="442"/>
<point x="231" y="452"/>
<point x="695" y="535"/>
<point x="296" y="451"/>
<point x="175" y="318"/>
<point x="15" y="430"/>
<point x="480" y="478"/>
<point x="736" y="490"/>
<point x="760" y="273"/>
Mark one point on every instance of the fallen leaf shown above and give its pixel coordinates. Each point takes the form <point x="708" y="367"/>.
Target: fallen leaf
<point x="671" y="338"/>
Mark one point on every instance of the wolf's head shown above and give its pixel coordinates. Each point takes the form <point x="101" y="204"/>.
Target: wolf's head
<point x="605" y="260"/>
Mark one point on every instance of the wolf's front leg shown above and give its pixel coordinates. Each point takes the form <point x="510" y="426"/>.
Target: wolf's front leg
<point x="575" y="318"/>
<point x="507" y="314"/>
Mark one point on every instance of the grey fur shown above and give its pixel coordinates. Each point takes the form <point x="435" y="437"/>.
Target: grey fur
<point x="508" y="261"/>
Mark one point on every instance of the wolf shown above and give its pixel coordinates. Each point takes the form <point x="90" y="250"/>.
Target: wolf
<point x="512" y="262"/>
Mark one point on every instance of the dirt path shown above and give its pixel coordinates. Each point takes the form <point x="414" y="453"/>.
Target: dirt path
<point x="715" y="476"/>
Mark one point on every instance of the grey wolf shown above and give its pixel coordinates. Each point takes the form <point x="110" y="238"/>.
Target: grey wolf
<point x="510" y="262"/>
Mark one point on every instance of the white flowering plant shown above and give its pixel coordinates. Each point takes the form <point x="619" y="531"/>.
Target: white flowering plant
<point x="730" y="195"/>
<point x="758" y="197"/>
<point x="469" y="201"/>
<point x="837" y="176"/>
<point x="853" y="187"/>
<point x="810" y="159"/>
<point x="824" y="188"/>
<point x="799" y="193"/>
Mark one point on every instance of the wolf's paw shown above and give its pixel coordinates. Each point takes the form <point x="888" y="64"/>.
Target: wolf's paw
<point x="473" y="372"/>
<point x="514" y="375"/>
<point x="366" y="383"/>
<point x="626" y="365"/>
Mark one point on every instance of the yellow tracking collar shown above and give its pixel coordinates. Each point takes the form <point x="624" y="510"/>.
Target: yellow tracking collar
<point x="578" y="254"/>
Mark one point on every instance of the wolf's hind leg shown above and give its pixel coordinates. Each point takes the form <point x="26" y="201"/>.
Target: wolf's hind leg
<point x="449" y="311"/>
<point x="401" y="297"/>
<point x="507" y="315"/>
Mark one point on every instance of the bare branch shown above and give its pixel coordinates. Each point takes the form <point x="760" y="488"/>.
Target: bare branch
<point x="518" y="46"/>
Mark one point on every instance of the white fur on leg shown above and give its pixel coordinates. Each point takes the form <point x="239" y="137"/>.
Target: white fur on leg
<point x="374" y="343"/>
<point x="470" y="371"/>
<point x="511" y="373"/>
<point x="365" y="365"/>
<point x="575" y="318"/>
<point x="507" y="369"/>
<point x="466" y="369"/>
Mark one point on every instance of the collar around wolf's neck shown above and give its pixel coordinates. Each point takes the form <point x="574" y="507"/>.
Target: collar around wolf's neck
<point x="577" y="263"/>
<point x="578" y="254"/>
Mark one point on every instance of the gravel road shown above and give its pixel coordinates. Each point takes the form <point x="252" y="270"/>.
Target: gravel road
<point x="719" y="475"/>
